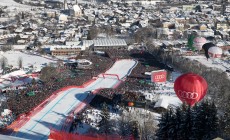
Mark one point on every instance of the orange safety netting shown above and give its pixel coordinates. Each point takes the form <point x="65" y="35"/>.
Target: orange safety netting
<point x="59" y="135"/>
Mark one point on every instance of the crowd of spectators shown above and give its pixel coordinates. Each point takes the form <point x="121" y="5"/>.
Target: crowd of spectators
<point x="130" y="90"/>
<point x="19" y="102"/>
<point x="125" y="95"/>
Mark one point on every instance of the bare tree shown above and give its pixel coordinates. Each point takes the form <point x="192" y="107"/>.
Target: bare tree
<point x="3" y="62"/>
<point x="49" y="72"/>
<point x="146" y="122"/>
<point x="93" y="32"/>
<point x="20" y="62"/>
<point x="6" y="48"/>
<point x="108" y="30"/>
<point x="144" y="34"/>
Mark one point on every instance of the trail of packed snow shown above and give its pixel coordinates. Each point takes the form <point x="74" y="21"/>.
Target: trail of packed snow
<point x="54" y="114"/>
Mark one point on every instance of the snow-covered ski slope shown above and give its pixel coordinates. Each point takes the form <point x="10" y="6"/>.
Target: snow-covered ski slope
<point x="52" y="115"/>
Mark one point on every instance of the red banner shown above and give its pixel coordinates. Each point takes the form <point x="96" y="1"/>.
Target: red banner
<point x="159" y="76"/>
<point x="59" y="135"/>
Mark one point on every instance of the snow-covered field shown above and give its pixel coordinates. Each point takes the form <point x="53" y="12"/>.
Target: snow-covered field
<point x="19" y="77"/>
<point x="14" y="5"/>
<point x="212" y="63"/>
<point x="56" y="111"/>
<point x="27" y="59"/>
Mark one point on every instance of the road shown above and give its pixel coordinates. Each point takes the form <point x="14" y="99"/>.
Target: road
<point x="54" y="114"/>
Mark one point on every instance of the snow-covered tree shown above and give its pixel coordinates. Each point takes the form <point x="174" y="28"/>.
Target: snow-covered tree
<point x="186" y="124"/>
<point x="172" y="124"/>
<point x="178" y="119"/>
<point x="104" y="124"/>
<point x="197" y="122"/>
<point x="211" y="122"/>
<point x="162" y="132"/>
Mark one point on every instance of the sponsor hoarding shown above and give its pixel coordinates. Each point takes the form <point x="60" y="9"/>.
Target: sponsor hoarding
<point x="159" y="76"/>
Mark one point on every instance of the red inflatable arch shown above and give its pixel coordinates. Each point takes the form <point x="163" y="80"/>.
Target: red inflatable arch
<point x="106" y="74"/>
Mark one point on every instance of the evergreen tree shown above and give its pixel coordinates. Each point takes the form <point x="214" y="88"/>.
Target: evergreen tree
<point x="190" y="42"/>
<point x="186" y="124"/>
<point x="135" y="129"/>
<point x="225" y="121"/>
<point x="178" y="120"/>
<point x="162" y="132"/>
<point x="104" y="124"/>
<point x="172" y="125"/>
<point x="124" y="127"/>
<point x="211" y="122"/>
<point x="198" y="121"/>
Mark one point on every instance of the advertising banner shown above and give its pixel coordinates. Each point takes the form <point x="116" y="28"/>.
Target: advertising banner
<point x="159" y="76"/>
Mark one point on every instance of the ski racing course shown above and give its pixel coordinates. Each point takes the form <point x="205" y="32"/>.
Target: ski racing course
<point x="55" y="112"/>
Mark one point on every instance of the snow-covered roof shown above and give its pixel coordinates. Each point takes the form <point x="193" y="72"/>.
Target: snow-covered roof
<point x="110" y="42"/>
<point x="72" y="43"/>
<point x="63" y="47"/>
<point x="88" y="43"/>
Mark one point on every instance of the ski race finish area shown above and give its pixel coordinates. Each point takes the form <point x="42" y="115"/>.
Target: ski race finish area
<point x="53" y="115"/>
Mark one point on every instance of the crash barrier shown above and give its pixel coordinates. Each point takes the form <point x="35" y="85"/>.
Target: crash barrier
<point x="60" y="135"/>
<point x="106" y="74"/>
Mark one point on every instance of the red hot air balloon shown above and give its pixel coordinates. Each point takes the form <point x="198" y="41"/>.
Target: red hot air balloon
<point x="190" y="88"/>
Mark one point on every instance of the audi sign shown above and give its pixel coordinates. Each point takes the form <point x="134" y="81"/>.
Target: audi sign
<point x="187" y="95"/>
<point x="159" y="76"/>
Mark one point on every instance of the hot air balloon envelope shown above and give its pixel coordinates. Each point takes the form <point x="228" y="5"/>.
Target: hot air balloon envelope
<point x="206" y="46"/>
<point x="190" y="88"/>
<point x="198" y="42"/>
<point x="215" y="52"/>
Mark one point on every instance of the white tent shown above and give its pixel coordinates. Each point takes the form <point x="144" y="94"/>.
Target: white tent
<point x="162" y="103"/>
